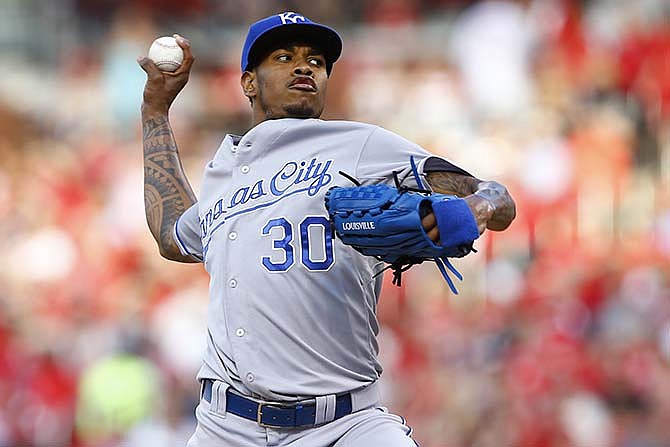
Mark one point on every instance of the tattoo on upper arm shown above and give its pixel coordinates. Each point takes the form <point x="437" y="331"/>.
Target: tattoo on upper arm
<point x="167" y="193"/>
<point x="452" y="183"/>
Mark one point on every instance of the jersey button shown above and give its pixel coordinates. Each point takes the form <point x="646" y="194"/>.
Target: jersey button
<point x="232" y="283"/>
<point x="250" y="377"/>
<point x="244" y="169"/>
<point x="240" y="332"/>
<point x="232" y="236"/>
<point x="233" y="149"/>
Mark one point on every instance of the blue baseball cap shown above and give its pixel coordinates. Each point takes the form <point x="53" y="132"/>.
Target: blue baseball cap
<point x="289" y="25"/>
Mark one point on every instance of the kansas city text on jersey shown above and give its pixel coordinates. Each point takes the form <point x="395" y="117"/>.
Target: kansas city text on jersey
<point x="294" y="177"/>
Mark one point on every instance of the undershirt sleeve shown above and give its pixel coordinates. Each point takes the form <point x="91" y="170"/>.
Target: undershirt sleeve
<point x="437" y="164"/>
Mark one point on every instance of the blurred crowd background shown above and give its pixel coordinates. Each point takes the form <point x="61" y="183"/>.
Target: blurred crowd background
<point x="560" y="335"/>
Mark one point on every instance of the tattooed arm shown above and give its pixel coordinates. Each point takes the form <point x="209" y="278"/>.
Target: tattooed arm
<point x="489" y="201"/>
<point x="167" y="193"/>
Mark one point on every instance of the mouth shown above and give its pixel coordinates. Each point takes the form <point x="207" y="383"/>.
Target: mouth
<point x="303" y="83"/>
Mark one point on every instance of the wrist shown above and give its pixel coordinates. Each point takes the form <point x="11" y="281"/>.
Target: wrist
<point x="154" y="111"/>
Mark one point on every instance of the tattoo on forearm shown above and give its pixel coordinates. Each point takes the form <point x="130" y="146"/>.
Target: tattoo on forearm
<point x="505" y="209"/>
<point x="167" y="193"/>
<point x="452" y="183"/>
<point x="492" y="191"/>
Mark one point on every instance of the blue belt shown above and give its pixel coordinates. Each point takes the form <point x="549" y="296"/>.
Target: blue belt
<point x="276" y="414"/>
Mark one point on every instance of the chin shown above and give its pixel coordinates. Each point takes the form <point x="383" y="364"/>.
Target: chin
<point x="301" y="109"/>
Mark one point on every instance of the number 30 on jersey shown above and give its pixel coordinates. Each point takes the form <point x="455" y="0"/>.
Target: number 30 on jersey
<point x="315" y="245"/>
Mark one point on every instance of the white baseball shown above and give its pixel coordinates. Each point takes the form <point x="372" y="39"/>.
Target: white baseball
<point x="166" y="53"/>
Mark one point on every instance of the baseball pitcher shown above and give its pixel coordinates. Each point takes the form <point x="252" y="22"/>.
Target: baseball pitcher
<point x="295" y="220"/>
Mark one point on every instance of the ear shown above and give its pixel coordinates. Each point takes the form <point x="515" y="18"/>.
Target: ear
<point x="248" y="83"/>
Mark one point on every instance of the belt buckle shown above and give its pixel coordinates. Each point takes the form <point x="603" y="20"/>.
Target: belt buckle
<point x="259" y="413"/>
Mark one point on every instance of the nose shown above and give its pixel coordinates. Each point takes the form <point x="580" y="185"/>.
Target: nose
<point x="302" y="68"/>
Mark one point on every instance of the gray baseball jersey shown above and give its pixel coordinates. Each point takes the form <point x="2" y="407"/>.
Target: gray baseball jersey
<point x="292" y="309"/>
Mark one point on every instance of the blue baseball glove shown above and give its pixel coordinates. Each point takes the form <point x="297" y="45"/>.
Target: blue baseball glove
<point x="385" y="222"/>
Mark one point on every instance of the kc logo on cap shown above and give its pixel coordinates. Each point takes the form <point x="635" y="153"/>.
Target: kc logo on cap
<point x="291" y="17"/>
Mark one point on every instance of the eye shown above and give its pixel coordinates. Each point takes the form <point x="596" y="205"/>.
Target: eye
<point x="316" y="61"/>
<point x="283" y="57"/>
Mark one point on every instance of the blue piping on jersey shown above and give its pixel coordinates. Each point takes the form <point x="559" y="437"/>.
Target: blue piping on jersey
<point x="184" y="249"/>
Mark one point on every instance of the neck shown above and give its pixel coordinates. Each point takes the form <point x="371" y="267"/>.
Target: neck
<point x="260" y="114"/>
